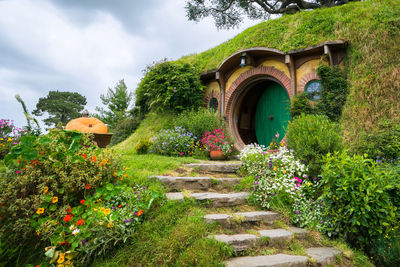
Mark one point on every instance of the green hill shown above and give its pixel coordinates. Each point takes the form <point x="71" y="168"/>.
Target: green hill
<point x="372" y="29"/>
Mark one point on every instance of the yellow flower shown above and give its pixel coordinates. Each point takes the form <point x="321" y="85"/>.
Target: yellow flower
<point x="9" y="139"/>
<point x="38" y="232"/>
<point x="45" y="190"/>
<point x="284" y="171"/>
<point x="275" y="168"/>
<point x="106" y="211"/>
<point x="40" y="211"/>
<point x="109" y="225"/>
<point x="126" y="175"/>
<point x="59" y="265"/>
<point x="61" y="258"/>
<point x="308" y="184"/>
<point x="100" y="223"/>
<point x="115" y="174"/>
<point x="54" y="200"/>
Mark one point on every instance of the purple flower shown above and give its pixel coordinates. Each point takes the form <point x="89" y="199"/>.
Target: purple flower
<point x="113" y="208"/>
<point x="84" y="242"/>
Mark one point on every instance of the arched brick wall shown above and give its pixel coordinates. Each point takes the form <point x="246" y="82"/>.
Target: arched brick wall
<point x="309" y="77"/>
<point x="232" y="92"/>
<point x="239" y="85"/>
<point x="208" y="97"/>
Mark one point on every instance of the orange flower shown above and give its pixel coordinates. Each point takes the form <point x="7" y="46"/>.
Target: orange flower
<point x="84" y="156"/>
<point x="140" y="213"/>
<point x="40" y="211"/>
<point x="69" y="209"/>
<point x="79" y="222"/>
<point x="45" y="190"/>
<point x="54" y="200"/>
<point x="88" y="186"/>
<point x="67" y="218"/>
<point x="82" y="201"/>
<point x="120" y="206"/>
<point x="94" y="159"/>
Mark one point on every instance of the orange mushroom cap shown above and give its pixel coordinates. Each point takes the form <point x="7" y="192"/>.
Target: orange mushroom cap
<point x="87" y="125"/>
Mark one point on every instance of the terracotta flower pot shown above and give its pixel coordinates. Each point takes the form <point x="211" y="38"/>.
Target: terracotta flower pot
<point x="216" y="155"/>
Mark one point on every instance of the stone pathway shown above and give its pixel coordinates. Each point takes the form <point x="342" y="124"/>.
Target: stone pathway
<point x="205" y="190"/>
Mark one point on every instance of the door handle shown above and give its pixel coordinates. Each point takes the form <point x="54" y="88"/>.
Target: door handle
<point x="271" y="117"/>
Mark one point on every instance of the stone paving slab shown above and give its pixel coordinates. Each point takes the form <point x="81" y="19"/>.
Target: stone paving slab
<point x="278" y="260"/>
<point x="214" y="199"/>
<point x="195" y="183"/>
<point x="239" y="242"/>
<point x="300" y="232"/>
<point x="216" y="167"/>
<point x="277" y="236"/>
<point x="257" y="216"/>
<point x="323" y="255"/>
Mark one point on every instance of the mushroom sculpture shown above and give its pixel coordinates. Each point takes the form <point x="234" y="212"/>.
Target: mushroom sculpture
<point x="87" y="124"/>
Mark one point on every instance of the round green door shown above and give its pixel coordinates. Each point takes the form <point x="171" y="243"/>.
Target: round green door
<point x="272" y="115"/>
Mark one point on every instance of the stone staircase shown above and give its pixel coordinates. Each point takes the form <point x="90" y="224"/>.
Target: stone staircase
<point x="260" y="228"/>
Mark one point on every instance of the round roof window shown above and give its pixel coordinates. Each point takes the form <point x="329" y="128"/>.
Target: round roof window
<point x="213" y="105"/>
<point x="313" y="90"/>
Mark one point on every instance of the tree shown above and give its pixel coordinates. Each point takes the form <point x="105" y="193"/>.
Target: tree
<point x="117" y="102"/>
<point x="229" y="13"/>
<point x="61" y="107"/>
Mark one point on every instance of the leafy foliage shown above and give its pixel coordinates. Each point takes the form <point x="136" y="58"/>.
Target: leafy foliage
<point x="198" y="122"/>
<point x="311" y="137"/>
<point x="334" y="92"/>
<point x="169" y="86"/>
<point x="176" y="142"/>
<point x="117" y="102"/>
<point x="143" y="146"/>
<point x="9" y="136"/>
<point x="63" y="191"/>
<point x="228" y="14"/>
<point x="61" y="107"/>
<point x="300" y="104"/>
<point x="123" y="129"/>
<point x="358" y="205"/>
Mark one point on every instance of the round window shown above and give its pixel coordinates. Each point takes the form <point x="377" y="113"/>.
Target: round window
<point x="313" y="90"/>
<point x="213" y="105"/>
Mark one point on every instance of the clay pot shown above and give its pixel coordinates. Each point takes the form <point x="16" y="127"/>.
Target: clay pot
<point x="217" y="155"/>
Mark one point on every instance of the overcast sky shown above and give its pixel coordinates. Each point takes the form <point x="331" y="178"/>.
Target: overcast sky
<point x="87" y="46"/>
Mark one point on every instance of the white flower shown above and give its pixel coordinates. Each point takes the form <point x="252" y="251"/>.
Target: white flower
<point x="76" y="231"/>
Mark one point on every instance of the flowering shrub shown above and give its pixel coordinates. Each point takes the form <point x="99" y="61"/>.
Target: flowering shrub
<point x="217" y="140"/>
<point x="9" y="136"/>
<point x="275" y="172"/>
<point x="175" y="142"/>
<point x="62" y="190"/>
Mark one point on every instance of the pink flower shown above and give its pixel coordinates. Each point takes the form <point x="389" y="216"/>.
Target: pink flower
<point x="18" y="172"/>
<point x="182" y="153"/>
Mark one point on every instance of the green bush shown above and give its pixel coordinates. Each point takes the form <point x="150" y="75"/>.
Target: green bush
<point x="334" y="92"/>
<point x="124" y="129"/>
<point x="63" y="191"/>
<point x="170" y="86"/>
<point x="198" y="122"/>
<point x="175" y="142"/>
<point x="300" y="104"/>
<point x="311" y="137"/>
<point x="143" y="146"/>
<point x="358" y="205"/>
<point x="383" y="143"/>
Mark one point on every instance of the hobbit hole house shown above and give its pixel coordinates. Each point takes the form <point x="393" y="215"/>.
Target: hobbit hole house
<point x="252" y="88"/>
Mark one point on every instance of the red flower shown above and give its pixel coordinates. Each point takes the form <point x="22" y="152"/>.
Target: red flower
<point x="84" y="156"/>
<point x="82" y="201"/>
<point x="69" y="209"/>
<point x="79" y="222"/>
<point x="67" y="218"/>
<point x="88" y="186"/>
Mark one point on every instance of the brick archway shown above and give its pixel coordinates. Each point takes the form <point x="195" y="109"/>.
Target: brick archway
<point x="307" y="78"/>
<point x="241" y="84"/>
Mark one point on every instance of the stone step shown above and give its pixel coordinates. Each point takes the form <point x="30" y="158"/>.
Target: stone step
<point x="242" y="217"/>
<point x="278" y="260"/>
<point x="323" y="255"/>
<point x="216" y="167"/>
<point x="242" y="242"/>
<point x="277" y="236"/>
<point x="214" y="199"/>
<point x="196" y="183"/>
<point x="238" y="242"/>
<point x="299" y="232"/>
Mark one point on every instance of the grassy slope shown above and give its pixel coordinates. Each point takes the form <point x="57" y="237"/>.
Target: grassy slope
<point x="372" y="29"/>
